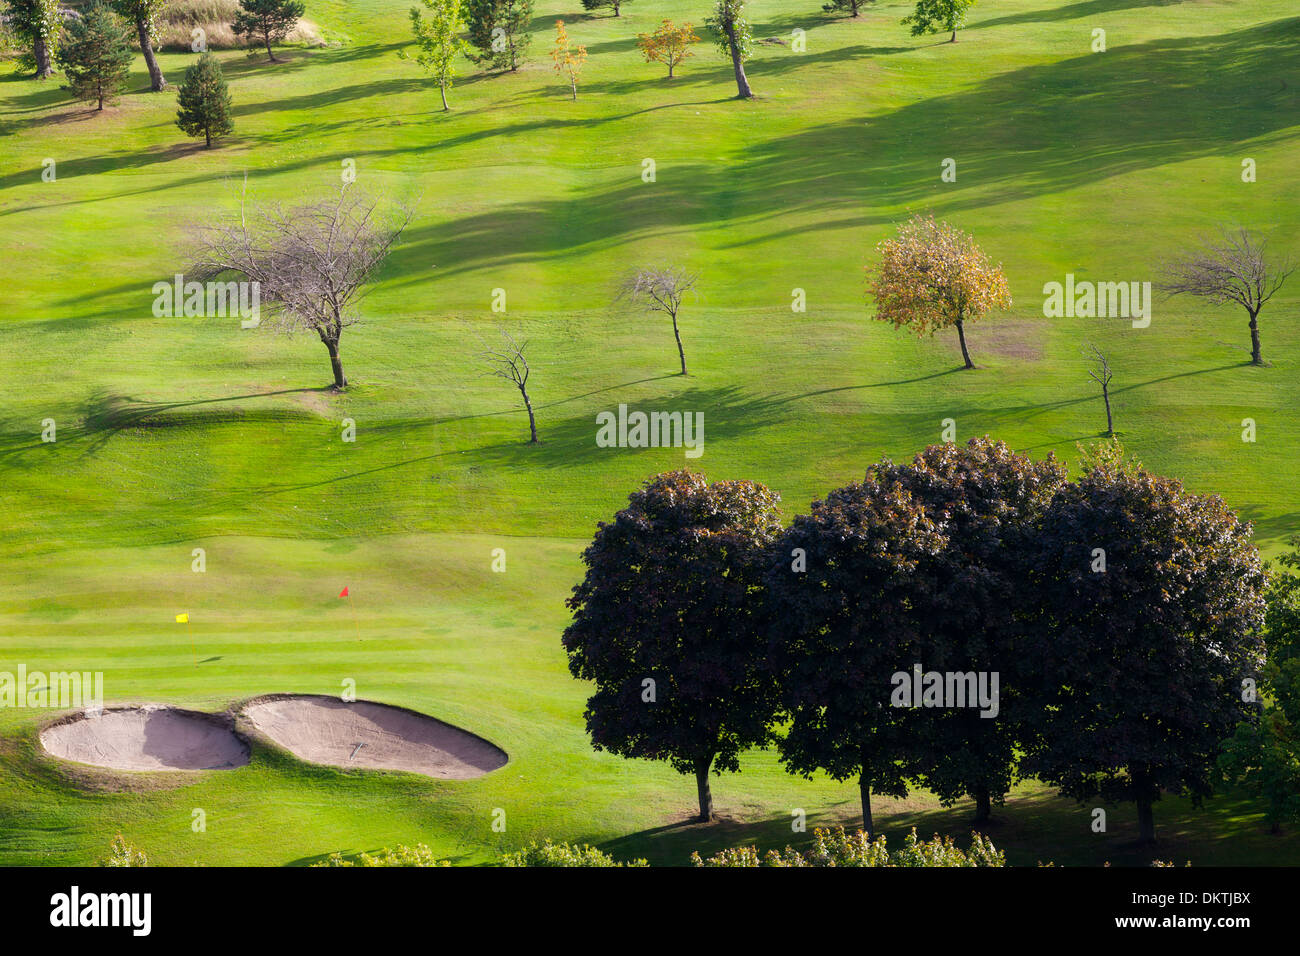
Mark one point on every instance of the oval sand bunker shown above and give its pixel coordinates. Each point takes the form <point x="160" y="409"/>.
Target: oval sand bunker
<point x="374" y="736"/>
<point x="150" y="737"/>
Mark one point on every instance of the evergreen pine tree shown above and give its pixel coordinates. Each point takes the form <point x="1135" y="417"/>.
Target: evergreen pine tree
<point x="96" y="55"/>
<point x="204" y="101"/>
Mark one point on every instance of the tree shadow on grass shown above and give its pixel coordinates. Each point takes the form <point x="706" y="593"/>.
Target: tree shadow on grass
<point x="565" y="444"/>
<point x="325" y="99"/>
<point x="105" y="415"/>
<point x="290" y="60"/>
<point x="672" y="844"/>
<point x="1035" y="826"/>
<point x="1072" y="122"/>
<point x="695" y="72"/>
<point x="855" y="388"/>
<point x="1271" y="527"/>
<point x="1071" y="11"/>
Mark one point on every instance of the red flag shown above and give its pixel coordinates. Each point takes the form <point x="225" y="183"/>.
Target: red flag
<point x="343" y="593"/>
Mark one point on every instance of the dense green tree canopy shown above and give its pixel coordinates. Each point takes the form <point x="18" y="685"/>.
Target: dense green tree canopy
<point x="672" y="595"/>
<point x="1150" y="612"/>
<point x="843" y="583"/>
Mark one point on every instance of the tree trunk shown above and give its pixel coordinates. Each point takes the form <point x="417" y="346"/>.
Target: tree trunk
<point x="670" y="69"/>
<point x="1275" y="828"/>
<point x="268" y="47"/>
<point x="681" y="353"/>
<point x="702" y="786"/>
<point x="156" y="81"/>
<point x="41" y="53"/>
<point x="532" y="422"/>
<point x="954" y="37"/>
<point x="207" y="134"/>
<point x="864" y="788"/>
<point x="1146" y="821"/>
<point x="742" y="81"/>
<point x="442" y="88"/>
<point x="1110" y="423"/>
<point x="1255" y="357"/>
<point x="1144" y="796"/>
<point x="983" y="804"/>
<point x="574" y="81"/>
<point x="340" y="380"/>
<point x="961" y="335"/>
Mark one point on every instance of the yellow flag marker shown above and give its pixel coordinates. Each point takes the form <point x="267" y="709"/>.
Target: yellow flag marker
<point x="185" y="619"/>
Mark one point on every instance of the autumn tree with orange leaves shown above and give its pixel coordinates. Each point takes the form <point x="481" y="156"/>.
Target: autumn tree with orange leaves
<point x="933" y="276"/>
<point x="669" y="44"/>
<point x="568" y="59"/>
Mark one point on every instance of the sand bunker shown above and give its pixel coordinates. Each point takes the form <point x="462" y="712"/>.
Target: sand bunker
<point x="149" y="737"/>
<point x="375" y="736"/>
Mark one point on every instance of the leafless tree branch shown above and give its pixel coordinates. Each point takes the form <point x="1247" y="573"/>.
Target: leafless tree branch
<point x="309" y="261"/>
<point x="507" y="361"/>
<point x="661" y="289"/>
<point x="1234" y="267"/>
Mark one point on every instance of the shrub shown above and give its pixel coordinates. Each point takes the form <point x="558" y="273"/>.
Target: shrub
<point x="837" y="848"/>
<point x="122" y="853"/>
<point x="400" y="855"/>
<point x="563" y="854"/>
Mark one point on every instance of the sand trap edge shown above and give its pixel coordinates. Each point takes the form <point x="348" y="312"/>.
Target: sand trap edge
<point x="223" y="719"/>
<point x="249" y="729"/>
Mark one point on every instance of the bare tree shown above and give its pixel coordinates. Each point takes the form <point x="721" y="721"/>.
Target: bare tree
<point x="1231" y="268"/>
<point x="507" y="361"/>
<point x="661" y="289"/>
<point x="1102" y="376"/>
<point x="310" y="261"/>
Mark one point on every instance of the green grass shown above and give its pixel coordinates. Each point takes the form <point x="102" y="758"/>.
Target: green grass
<point x="183" y="433"/>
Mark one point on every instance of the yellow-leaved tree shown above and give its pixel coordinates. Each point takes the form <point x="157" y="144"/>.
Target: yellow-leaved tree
<point x="933" y="276"/>
<point x="669" y="44"/>
<point x="568" y="59"/>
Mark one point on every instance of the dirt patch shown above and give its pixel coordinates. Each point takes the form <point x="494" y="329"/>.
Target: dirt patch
<point x="1016" y="339"/>
<point x="147" y="737"/>
<point x="364" y="734"/>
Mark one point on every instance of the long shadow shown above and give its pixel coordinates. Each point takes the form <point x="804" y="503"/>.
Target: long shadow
<point x="854" y="388"/>
<point x="1036" y="826"/>
<point x="1275" y="527"/>
<point x="672" y="844"/>
<point x="1177" y="375"/>
<point x="1072" y="11"/>
<point x="1214" y="92"/>
<point x="105" y="415"/>
<point x="768" y="62"/>
<point x="324" y="99"/>
<point x="728" y="411"/>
